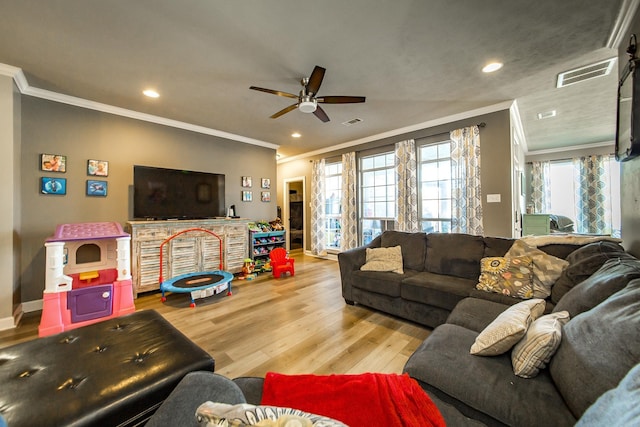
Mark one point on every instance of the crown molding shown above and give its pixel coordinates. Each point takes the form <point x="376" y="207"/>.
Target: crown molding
<point x="424" y="125"/>
<point x="622" y="24"/>
<point x="24" y="87"/>
<point x="571" y="148"/>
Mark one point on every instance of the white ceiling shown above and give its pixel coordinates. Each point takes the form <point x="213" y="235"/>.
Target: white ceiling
<point x="416" y="62"/>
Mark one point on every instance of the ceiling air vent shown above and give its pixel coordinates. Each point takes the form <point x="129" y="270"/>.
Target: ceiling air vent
<point x="352" y="122"/>
<point x="599" y="69"/>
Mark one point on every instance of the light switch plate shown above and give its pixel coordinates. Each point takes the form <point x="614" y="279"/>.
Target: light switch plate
<point x="493" y="198"/>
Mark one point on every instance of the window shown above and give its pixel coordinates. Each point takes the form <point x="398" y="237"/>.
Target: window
<point x="377" y="195"/>
<point x="562" y="193"/>
<point x="333" y="198"/>
<point x="435" y="187"/>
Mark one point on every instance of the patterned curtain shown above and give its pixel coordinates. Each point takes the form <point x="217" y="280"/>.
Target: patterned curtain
<point x="541" y="187"/>
<point x="466" y="194"/>
<point x="349" y="214"/>
<point x="318" y="207"/>
<point x="593" y="201"/>
<point x="406" y="186"/>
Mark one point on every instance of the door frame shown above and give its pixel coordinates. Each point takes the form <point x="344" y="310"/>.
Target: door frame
<point x="286" y="216"/>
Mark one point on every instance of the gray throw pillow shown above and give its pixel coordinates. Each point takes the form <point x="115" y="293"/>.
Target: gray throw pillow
<point x="614" y="275"/>
<point x="598" y="348"/>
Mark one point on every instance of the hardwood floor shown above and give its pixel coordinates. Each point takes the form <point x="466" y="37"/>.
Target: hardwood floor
<point x="291" y="325"/>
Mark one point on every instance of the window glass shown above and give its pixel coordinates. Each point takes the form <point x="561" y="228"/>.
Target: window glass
<point x="435" y="186"/>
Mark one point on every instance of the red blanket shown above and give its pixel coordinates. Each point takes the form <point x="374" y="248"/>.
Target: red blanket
<point x="356" y="400"/>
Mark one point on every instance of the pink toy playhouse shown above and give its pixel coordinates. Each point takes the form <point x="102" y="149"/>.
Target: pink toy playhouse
<point x="88" y="276"/>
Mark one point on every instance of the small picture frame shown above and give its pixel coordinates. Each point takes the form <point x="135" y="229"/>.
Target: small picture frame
<point x="246" y="181"/>
<point x="265" y="196"/>
<point x="97" y="167"/>
<point x="55" y="186"/>
<point x="97" y="188"/>
<point x="53" y="163"/>
<point x="266" y="183"/>
<point x="247" y="196"/>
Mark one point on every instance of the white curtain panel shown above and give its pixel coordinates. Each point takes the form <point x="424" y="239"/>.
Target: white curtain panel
<point x="318" y="239"/>
<point x="349" y="203"/>
<point x="466" y="194"/>
<point x="541" y="187"/>
<point x="592" y="194"/>
<point x="406" y="166"/>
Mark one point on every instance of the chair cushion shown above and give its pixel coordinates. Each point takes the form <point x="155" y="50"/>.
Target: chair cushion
<point x="581" y="372"/>
<point x="380" y="282"/>
<point x="436" y="289"/>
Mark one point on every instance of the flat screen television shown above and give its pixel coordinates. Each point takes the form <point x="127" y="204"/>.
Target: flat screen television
<point x="627" y="143"/>
<point x="160" y="193"/>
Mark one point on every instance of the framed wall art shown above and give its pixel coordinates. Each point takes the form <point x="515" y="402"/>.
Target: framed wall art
<point x="56" y="186"/>
<point x="53" y="163"/>
<point x="246" y="181"/>
<point x="265" y="196"/>
<point x="96" y="188"/>
<point x="97" y="167"/>
<point x="266" y="183"/>
<point x="247" y="196"/>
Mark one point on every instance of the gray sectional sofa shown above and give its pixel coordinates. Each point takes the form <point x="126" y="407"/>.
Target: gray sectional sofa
<point x="440" y="270"/>
<point x="599" y="346"/>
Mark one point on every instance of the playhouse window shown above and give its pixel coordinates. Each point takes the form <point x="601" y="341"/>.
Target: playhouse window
<point x="88" y="253"/>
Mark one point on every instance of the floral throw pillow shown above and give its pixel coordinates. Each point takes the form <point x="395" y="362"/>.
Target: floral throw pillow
<point x="511" y="276"/>
<point x="546" y="268"/>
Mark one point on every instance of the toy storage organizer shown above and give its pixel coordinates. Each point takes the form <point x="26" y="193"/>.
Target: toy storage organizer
<point x="88" y="276"/>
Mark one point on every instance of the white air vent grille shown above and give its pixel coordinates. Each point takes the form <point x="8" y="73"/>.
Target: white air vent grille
<point x="599" y="69"/>
<point x="352" y="122"/>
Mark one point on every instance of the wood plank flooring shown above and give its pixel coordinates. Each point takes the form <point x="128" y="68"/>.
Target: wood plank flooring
<point x="291" y="325"/>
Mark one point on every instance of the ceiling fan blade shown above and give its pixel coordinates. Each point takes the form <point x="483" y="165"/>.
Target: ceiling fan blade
<point x="275" y="92"/>
<point x="285" y="111"/>
<point x="319" y="113"/>
<point x="315" y="80"/>
<point x="340" y="99"/>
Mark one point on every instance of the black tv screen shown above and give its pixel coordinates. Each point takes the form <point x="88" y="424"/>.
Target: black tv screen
<point x="160" y="193"/>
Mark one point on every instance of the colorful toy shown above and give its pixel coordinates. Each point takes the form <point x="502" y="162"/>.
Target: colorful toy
<point x="201" y="284"/>
<point x="88" y="276"/>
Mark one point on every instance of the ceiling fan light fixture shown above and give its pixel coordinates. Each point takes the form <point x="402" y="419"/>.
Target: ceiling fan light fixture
<point x="307" y="104"/>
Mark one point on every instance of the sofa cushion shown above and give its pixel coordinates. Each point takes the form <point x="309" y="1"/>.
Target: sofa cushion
<point x="541" y="341"/>
<point x="496" y="246"/>
<point x="507" y="329"/>
<point x="618" y="407"/>
<point x="383" y="259"/>
<point x="486" y="384"/>
<point x="614" y="275"/>
<point x="507" y="276"/>
<point x="380" y="282"/>
<point x="475" y="313"/>
<point x="436" y="289"/>
<point x="583" y="262"/>
<point x="546" y="268"/>
<point x="581" y="372"/>
<point x="454" y="254"/>
<point x="414" y="247"/>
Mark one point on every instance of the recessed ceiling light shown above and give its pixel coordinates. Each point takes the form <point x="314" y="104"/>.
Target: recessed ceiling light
<point x="151" y="93"/>
<point x="491" y="67"/>
<point x="296" y="135"/>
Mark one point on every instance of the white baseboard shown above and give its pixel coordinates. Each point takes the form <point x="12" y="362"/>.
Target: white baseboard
<point x="7" y="323"/>
<point x="31" y="306"/>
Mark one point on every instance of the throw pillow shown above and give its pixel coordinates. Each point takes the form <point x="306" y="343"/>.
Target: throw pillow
<point x="508" y="328"/>
<point x="384" y="259"/>
<point x="211" y="414"/>
<point x="508" y="276"/>
<point x="546" y="268"/>
<point x="541" y="341"/>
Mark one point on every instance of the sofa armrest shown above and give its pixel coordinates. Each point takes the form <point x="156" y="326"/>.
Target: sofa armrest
<point x="351" y="260"/>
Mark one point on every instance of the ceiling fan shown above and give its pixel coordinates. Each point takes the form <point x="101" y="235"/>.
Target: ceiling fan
<point x="307" y="99"/>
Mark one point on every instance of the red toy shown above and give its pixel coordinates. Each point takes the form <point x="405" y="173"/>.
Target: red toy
<point x="280" y="262"/>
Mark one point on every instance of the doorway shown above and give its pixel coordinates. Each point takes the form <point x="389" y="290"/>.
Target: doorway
<point x="294" y="202"/>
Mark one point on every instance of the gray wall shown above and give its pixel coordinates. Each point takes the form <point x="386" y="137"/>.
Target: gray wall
<point x="81" y="134"/>
<point x="630" y="170"/>
<point x="495" y="145"/>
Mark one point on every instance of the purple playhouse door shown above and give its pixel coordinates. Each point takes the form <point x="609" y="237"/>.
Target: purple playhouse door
<point x="90" y="303"/>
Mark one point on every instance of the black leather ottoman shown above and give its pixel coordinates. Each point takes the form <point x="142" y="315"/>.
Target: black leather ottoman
<point x="111" y="373"/>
